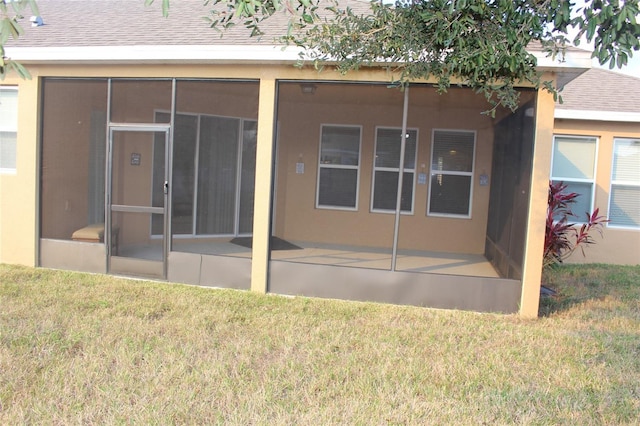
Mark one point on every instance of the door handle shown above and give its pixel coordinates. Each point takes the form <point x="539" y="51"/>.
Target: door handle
<point x="166" y="187"/>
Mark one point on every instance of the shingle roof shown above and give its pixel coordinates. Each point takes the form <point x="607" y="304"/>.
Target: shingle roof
<point x="70" y="23"/>
<point x="601" y="90"/>
<point x="93" y="31"/>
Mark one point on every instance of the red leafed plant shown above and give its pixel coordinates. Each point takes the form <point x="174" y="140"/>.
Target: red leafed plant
<point x="562" y="238"/>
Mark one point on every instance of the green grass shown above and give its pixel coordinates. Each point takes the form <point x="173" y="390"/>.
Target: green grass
<point x="78" y="348"/>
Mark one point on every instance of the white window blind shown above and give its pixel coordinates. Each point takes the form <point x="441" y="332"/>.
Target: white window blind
<point x="574" y="163"/>
<point x="574" y="157"/>
<point x="8" y="128"/>
<point x="451" y="180"/>
<point x="624" y="202"/>
<point x="387" y="170"/>
<point x="626" y="160"/>
<point x="339" y="167"/>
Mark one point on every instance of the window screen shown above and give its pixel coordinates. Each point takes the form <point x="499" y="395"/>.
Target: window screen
<point x="624" y="203"/>
<point x="451" y="173"/>
<point x="338" y="171"/>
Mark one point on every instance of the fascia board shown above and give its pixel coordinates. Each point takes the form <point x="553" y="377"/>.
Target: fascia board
<point x="215" y="54"/>
<point x="155" y="54"/>
<point x="575" y="114"/>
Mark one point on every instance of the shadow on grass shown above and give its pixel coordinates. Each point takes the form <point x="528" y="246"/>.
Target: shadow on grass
<point x="576" y="284"/>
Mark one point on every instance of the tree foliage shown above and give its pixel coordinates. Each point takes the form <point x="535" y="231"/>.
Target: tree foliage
<point x="479" y="43"/>
<point x="11" y="12"/>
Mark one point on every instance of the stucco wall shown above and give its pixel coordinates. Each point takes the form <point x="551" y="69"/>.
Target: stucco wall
<point x="617" y="245"/>
<point x="18" y="191"/>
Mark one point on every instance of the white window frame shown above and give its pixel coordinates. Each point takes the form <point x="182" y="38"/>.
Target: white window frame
<point x="619" y="182"/>
<point x="578" y="215"/>
<point x="394" y="169"/>
<point x="339" y="166"/>
<point x="14" y="129"/>
<point x="452" y="173"/>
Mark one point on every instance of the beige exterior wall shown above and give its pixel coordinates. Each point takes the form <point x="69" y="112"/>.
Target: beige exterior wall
<point x="617" y="245"/>
<point x="18" y="191"/>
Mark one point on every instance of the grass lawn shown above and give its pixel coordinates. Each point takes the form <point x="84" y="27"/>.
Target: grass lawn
<point x="78" y="348"/>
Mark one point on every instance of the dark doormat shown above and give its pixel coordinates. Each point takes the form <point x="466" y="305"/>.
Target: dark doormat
<point x="276" y="243"/>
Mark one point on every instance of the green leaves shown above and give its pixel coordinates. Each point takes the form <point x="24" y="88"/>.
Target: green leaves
<point x="562" y="238"/>
<point x="10" y="28"/>
<point x="165" y="6"/>
<point x="614" y="28"/>
<point x="224" y="14"/>
<point x="481" y="43"/>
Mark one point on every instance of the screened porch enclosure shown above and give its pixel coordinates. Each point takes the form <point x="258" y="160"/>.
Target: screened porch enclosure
<point x="135" y="171"/>
<point x="378" y="193"/>
<point x="341" y="152"/>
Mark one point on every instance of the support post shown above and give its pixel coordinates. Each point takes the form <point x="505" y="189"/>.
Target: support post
<point x="403" y="147"/>
<point x="539" y="193"/>
<point x="263" y="186"/>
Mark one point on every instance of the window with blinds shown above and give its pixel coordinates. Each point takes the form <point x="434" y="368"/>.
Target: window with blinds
<point x="8" y="128"/>
<point x="450" y="186"/>
<point x="574" y="163"/>
<point x="624" y="198"/>
<point x="387" y="170"/>
<point x="339" y="167"/>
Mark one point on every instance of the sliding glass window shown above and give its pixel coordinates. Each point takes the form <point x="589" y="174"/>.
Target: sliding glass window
<point x="213" y="166"/>
<point x="213" y="175"/>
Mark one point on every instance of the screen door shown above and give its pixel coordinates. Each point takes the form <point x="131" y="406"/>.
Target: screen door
<point x="138" y="187"/>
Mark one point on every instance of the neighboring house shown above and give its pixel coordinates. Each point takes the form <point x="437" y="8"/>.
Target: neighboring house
<point x="152" y="147"/>
<point x="597" y="152"/>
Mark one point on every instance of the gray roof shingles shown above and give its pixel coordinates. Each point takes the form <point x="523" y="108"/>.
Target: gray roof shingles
<point x="601" y="90"/>
<point x="72" y="23"/>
